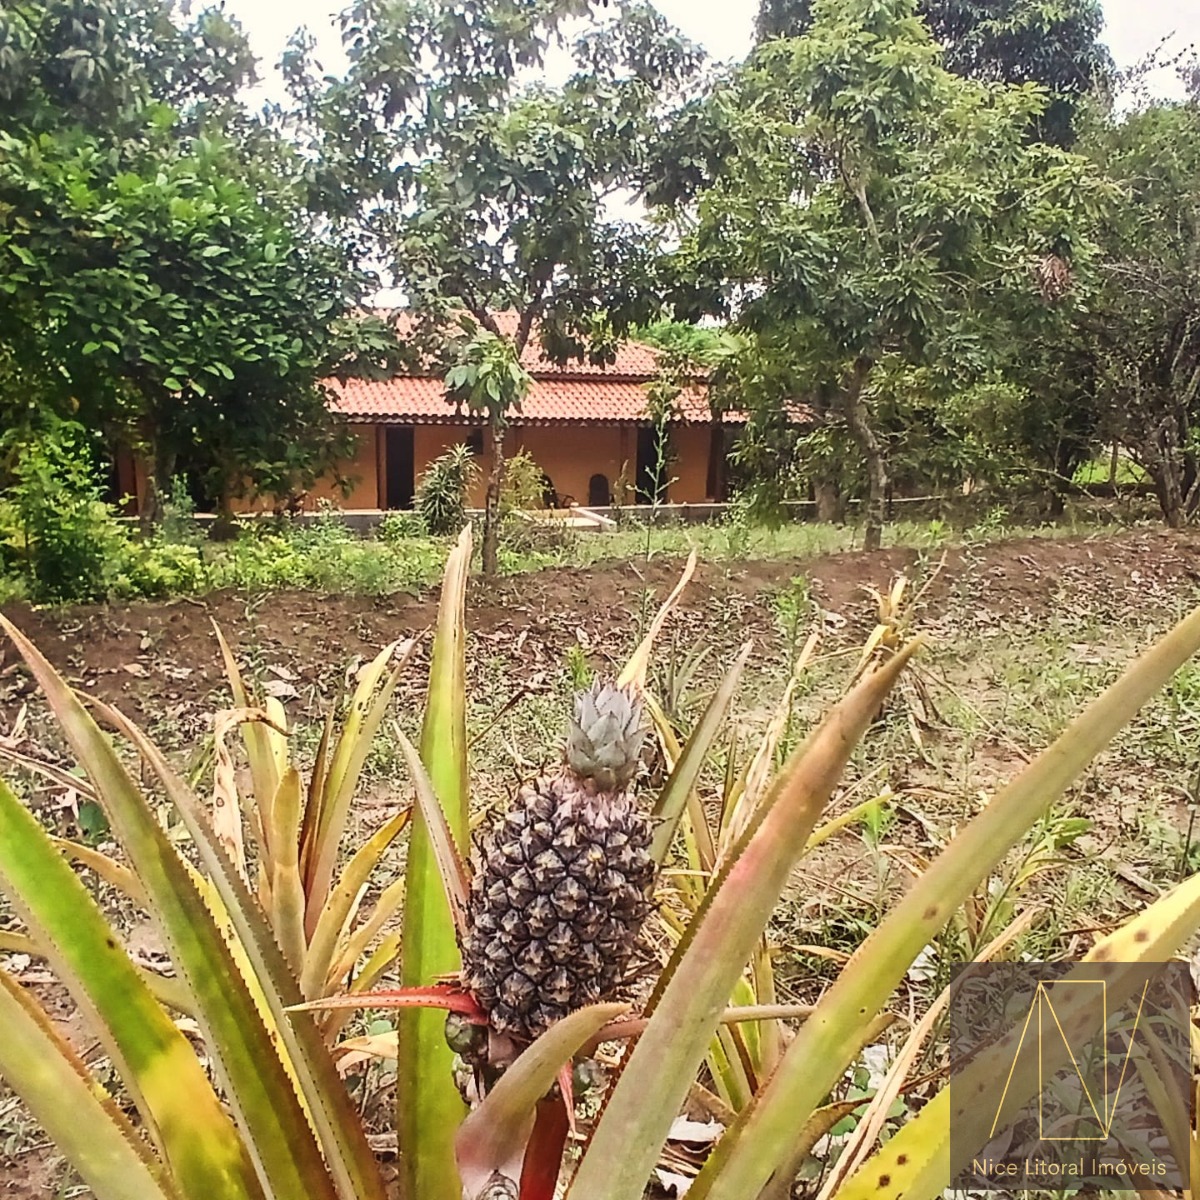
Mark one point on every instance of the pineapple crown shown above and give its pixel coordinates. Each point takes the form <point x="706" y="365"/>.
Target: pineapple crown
<point x="605" y="739"/>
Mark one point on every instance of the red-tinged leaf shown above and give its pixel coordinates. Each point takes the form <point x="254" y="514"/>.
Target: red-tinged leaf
<point x="544" y="1153"/>
<point x="492" y="1140"/>
<point x="448" y="998"/>
<point x="566" y="1084"/>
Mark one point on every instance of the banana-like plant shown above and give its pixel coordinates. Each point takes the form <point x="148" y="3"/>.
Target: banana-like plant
<point x="273" y="1119"/>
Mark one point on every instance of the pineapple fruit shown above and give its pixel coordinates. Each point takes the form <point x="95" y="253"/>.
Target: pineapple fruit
<point x="562" y="885"/>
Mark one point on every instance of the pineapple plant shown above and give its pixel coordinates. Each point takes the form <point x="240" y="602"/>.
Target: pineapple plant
<point x="561" y="885"/>
<point x="274" y="1118"/>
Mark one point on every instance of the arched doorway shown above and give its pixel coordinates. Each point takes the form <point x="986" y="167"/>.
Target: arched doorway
<point x="599" y="493"/>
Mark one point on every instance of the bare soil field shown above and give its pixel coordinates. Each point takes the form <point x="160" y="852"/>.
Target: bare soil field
<point x="151" y="657"/>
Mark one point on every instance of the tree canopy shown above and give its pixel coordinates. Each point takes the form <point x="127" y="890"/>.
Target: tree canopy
<point x="1143" y="334"/>
<point x="158" y="271"/>
<point x="484" y="192"/>
<point x="1055" y="43"/>
<point x="880" y="215"/>
<point x="927" y="247"/>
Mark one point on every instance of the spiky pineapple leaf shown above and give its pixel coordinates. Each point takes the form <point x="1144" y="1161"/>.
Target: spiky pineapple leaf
<point x="693" y="991"/>
<point x="673" y="798"/>
<point x="368" y="707"/>
<point x="79" y="1117"/>
<point x="442" y="996"/>
<point x="634" y="671"/>
<point x="760" y="1144"/>
<point x="255" y="736"/>
<point x="155" y="1061"/>
<point x="256" y="1079"/>
<point x="112" y="872"/>
<point x="287" y="887"/>
<point x="341" y="905"/>
<point x="387" y="906"/>
<point x="915" y="1162"/>
<point x="492" y="1139"/>
<point x="283" y="1049"/>
<point x="428" y="1106"/>
<point x="452" y="870"/>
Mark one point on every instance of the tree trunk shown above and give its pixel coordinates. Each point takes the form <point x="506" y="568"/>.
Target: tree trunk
<point x="1168" y="489"/>
<point x="225" y="527"/>
<point x="831" y="506"/>
<point x="1170" y="500"/>
<point x="491" y="504"/>
<point x="160" y="467"/>
<point x="858" y="422"/>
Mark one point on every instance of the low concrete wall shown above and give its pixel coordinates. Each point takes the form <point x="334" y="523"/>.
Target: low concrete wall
<point x="955" y="508"/>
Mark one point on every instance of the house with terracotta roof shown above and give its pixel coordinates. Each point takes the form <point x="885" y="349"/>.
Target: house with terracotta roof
<point x="587" y="427"/>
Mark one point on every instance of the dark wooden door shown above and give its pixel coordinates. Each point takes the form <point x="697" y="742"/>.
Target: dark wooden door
<point x="399" y="476"/>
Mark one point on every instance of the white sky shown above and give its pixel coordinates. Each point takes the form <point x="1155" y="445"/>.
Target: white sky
<point x="722" y="27"/>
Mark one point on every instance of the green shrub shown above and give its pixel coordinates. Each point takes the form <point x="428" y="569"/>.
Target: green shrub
<point x="157" y="569"/>
<point x="396" y="527"/>
<point x="442" y="497"/>
<point x="524" y="484"/>
<point x="179" y="525"/>
<point x="55" y="528"/>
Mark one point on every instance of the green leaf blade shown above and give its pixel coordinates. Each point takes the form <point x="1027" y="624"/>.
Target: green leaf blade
<point x="171" y="1090"/>
<point x="88" y="1128"/>
<point x="274" y="1124"/>
<point x="761" y="1142"/>
<point x="428" y="1106"/>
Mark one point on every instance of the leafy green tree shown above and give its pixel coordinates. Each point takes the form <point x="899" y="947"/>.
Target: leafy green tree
<point x="484" y="193"/>
<point x="215" y="313"/>
<point x="1144" y="332"/>
<point x="691" y="353"/>
<point x="159" y="275"/>
<point x="1055" y="43"/>
<point x="880" y="213"/>
<point x="100" y="64"/>
<point x="489" y="379"/>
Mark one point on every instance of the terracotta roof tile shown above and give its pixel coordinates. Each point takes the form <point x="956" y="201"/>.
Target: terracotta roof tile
<point x="423" y="400"/>
<point x="633" y="358"/>
<point x="574" y="392"/>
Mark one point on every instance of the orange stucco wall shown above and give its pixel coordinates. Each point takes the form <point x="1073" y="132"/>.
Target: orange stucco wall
<point x="362" y="471"/>
<point x="570" y="455"/>
<point x="688" y="470"/>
